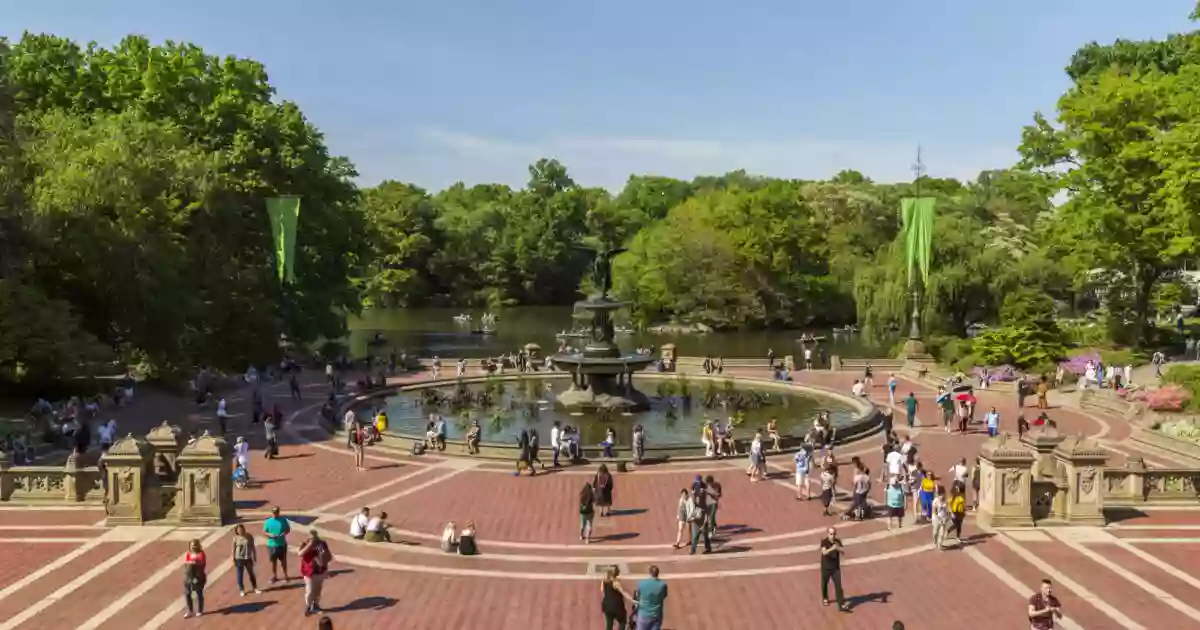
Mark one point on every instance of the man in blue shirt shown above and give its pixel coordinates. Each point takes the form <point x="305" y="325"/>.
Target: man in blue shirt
<point x="276" y="529"/>
<point x="993" y="422"/>
<point x="650" y="595"/>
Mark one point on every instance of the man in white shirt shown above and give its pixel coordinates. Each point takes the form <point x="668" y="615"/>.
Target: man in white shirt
<point x="808" y="359"/>
<point x="859" y="390"/>
<point x="358" y="526"/>
<point x="895" y="461"/>
<point x="555" y="441"/>
<point x="222" y="415"/>
<point x="348" y="425"/>
<point x="959" y="472"/>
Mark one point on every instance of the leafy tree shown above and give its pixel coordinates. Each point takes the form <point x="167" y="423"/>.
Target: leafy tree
<point x="405" y="237"/>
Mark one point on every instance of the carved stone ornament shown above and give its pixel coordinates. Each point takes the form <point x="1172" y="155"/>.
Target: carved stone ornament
<point x="1013" y="481"/>
<point x="202" y="481"/>
<point x="127" y="482"/>
<point x="1087" y="480"/>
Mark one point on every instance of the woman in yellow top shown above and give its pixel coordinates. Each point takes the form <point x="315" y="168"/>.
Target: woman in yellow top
<point x="958" y="511"/>
<point x="926" y="495"/>
<point x="706" y="436"/>
<point x="381" y="422"/>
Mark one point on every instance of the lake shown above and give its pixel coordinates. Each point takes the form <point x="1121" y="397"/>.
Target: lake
<point x="432" y="331"/>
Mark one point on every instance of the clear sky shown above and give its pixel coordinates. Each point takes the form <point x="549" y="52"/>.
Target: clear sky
<point x="439" y="91"/>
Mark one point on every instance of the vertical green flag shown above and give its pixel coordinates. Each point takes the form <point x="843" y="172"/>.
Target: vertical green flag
<point x="917" y="217"/>
<point x="285" y="215"/>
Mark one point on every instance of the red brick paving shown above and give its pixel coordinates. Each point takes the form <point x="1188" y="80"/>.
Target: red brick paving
<point x="1135" y="603"/>
<point x="170" y="590"/>
<point x="1122" y="532"/>
<point x="22" y="559"/>
<point x="1183" y="556"/>
<point x="52" y="532"/>
<point x="1074" y="606"/>
<point x="1158" y="518"/>
<point x="108" y="586"/>
<point x="50" y="518"/>
<point x="58" y="578"/>
<point x="1130" y="561"/>
<point x="542" y="510"/>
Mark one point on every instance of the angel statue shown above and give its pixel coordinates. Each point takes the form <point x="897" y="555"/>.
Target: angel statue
<point x="602" y="269"/>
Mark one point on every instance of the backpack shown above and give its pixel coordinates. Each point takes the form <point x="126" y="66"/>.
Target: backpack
<point x="323" y="556"/>
<point x="418" y="448"/>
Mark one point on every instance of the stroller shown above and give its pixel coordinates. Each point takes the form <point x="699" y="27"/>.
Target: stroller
<point x="241" y="477"/>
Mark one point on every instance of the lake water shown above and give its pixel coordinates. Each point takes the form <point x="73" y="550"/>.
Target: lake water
<point x="429" y="332"/>
<point x="528" y="403"/>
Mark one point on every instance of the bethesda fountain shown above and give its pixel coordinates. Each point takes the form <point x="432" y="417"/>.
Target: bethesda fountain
<point x="601" y="375"/>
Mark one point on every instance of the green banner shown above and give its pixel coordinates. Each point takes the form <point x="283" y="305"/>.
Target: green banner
<point x="285" y="215"/>
<point x="917" y="217"/>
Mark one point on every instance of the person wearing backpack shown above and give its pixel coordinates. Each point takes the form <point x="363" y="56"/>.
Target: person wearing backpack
<point x="314" y="563"/>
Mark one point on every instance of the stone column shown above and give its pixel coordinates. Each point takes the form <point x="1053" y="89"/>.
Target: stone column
<point x="1048" y="488"/>
<point x="1004" y="477"/>
<point x="1082" y="461"/>
<point x="126" y="463"/>
<point x="206" y="482"/>
<point x="166" y="442"/>
<point x="6" y="480"/>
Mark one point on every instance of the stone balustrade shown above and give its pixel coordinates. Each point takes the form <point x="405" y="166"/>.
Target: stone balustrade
<point x="1134" y="484"/>
<point x="50" y="484"/>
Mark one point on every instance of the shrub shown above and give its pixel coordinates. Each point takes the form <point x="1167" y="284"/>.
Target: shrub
<point x="1077" y="364"/>
<point x="1021" y="346"/>
<point x="1123" y="357"/>
<point x="1182" y="430"/>
<point x="1186" y="377"/>
<point x="1170" y="397"/>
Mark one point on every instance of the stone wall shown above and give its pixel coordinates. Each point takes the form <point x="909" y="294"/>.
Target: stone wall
<point x="50" y="484"/>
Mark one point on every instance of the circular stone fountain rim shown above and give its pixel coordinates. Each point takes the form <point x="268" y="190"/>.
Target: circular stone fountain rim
<point x="867" y="423"/>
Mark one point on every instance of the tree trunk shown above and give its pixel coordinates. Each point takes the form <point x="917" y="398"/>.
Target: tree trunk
<point x="1144" y="280"/>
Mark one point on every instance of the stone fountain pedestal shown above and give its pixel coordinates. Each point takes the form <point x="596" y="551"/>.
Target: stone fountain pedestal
<point x="601" y="376"/>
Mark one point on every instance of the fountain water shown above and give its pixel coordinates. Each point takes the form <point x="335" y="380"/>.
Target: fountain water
<point x="602" y="376"/>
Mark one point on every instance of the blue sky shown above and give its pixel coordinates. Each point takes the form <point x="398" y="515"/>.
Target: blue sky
<point x="436" y="92"/>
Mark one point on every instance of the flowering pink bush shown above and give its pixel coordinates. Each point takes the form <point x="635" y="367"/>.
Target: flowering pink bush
<point x="1077" y="364"/>
<point x="1169" y="397"/>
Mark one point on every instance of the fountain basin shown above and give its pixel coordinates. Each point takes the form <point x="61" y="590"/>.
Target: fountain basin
<point x="667" y="437"/>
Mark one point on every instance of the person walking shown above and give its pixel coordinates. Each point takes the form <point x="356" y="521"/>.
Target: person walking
<point x="992" y="418"/>
<point x="612" y="602"/>
<point x="314" y="564"/>
<point x="244" y="556"/>
<point x="894" y="497"/>
<point x="294" y="387"/>
<point x="587" y="512"/>
<point x="683" y="514"/>
<point x="358" y="435"/>
<point x="941" y="519"/>
<point x="276" y="528"/>
<point x="1044" y="608"/>
<point x="650" y="595"/>
<point x="712" y="491"/>
<point x="911" y="404"/>
<point x="698" y="510"/>
<point x="803" y="459"/>
<point x="891" y="384"/>
<point x="603" y="485"/>
<point x="831" y="569"/>
<point x="958" y="511"/>
<point x="194" y="578"/>
<point x="222" y="415"/>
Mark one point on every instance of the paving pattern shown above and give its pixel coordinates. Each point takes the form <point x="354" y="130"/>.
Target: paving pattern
<point x="63" y="569"/>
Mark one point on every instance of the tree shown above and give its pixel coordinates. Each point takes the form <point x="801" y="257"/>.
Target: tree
<point x="1120" y="216"/>
<point x="404" y="238"/>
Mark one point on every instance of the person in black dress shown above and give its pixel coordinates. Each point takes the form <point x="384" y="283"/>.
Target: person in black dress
<point x="523" y="453"/>
<point x="613" y="599"/>
<point x="603" y="484"/>
<point x="534" y="445"/>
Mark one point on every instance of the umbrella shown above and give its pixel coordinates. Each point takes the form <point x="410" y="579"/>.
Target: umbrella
<point x="942" y="396"/>
<point x="965" y="397"/>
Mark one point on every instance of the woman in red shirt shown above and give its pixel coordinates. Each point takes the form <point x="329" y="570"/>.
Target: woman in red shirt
<point x="314" y="562"/>
<point x="194" y="577"/>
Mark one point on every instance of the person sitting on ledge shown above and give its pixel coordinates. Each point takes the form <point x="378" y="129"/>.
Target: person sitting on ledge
<point x="450" y="538"/>
<point x="466" y="541"/>
<point x="377" y="529"/>
<point x="473" y="438"/>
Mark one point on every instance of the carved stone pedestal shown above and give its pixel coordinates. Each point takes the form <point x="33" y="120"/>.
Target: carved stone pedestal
<point x="1004" y="478"/>
<point x="1081" y="462"/>
<point x="206" y="482"/>
<point x="127" y="465"/>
